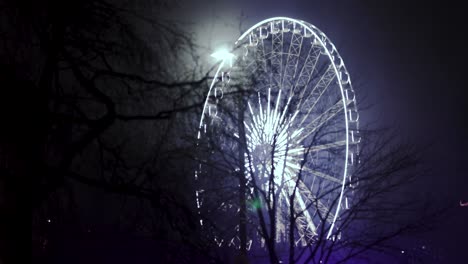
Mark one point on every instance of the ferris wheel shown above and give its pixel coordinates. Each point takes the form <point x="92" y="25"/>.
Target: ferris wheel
<point x="280" y="120"/>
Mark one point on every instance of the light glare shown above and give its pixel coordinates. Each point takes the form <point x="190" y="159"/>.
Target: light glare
<point x="223" y="55"/>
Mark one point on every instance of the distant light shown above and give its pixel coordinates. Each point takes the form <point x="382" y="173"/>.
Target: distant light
<point x="223" y="55"/>
<point x="48" y="221"/>
<point x="402" y="252"/>
<point x="423" y="247"/>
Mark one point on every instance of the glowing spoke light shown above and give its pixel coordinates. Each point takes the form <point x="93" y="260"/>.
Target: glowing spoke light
<point x="270" y="130"/>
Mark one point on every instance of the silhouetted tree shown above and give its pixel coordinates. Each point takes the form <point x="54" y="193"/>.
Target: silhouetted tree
<point x="95" y="92"/>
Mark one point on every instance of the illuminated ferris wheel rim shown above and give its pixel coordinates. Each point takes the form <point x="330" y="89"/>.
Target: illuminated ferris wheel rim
<point x="339" y="69"/>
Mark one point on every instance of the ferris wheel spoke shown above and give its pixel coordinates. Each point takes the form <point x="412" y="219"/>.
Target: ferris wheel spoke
<point x="306" y="194"/>
<point x="322" y="119"/>
<point x="307" y="231"/>
<point x="314" y="97"/>
<point x="292" y="62"/>
<point x="305" y="224"/>
<point x="308" y="69"/>
<point x="322" y="175"/>
<point x="260" y="58"/>
<point x="256" y="67"/>
<point x="321" y="208"/>
<point x="276" y="58"/>
<point x="337" y="144"/>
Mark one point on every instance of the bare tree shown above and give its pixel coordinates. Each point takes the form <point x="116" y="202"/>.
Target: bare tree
<point x="101" y="90"/>
<point x="267" y="186"/>
<point x="379" y="210"/>
<point x="105" y="109"/>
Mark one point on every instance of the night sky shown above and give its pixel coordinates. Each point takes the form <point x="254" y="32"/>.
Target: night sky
<point x="407" y="63"/>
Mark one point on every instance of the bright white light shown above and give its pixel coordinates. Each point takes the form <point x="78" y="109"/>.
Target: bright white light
<point x="223" y="55"/>
<point x="270" y="129"/>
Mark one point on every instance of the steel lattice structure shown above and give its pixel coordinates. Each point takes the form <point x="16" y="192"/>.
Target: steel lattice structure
<point x="281" y="114"/>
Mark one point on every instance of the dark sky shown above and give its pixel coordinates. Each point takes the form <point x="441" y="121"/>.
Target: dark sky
<point x="407" y="59"/>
